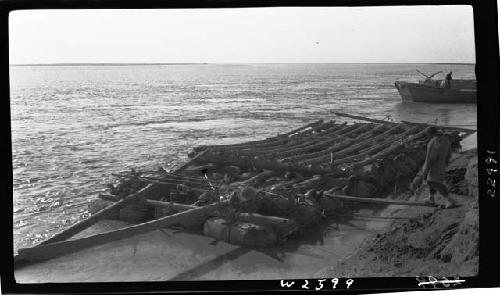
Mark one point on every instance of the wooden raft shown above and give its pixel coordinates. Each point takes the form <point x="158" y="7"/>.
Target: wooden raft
<point x="317" y="149"/>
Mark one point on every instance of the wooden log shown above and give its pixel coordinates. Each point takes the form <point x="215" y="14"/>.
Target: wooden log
<point x="312" y="144"/>
<point x="361" y="154"/>
<point x="273" y="221"/>
<point x="406" y="122"/>
<point x="278" y="138"/>
<point x="302" y="142"/>
<point x="259" y="219"/>
<point x="337" y="141"/>
<point x="376" y="200"/>
<point x="284" y="143"/>
<point x="293" y="139"/>
<point x="298" y="142"/>
<point x="191" y="168"/>
<point x="363" y="142"/>
<point x="325" y="155"/>
<point x="78" y="227"/>
<point x="55" y="249"/>
<point x="458" y="129"/>
<point x="363" y="118"/>
<point x="257" y="179"/>
<point x="173" y="182"/>
<point x="288" y="183"/>
<point x="193" y="160"/>
<point x="108" y="197"/>
<point x="196" y="189"/>
<point x="389" y="150"/>
<point x="299" y="151"/>
<point x="312" y="182"/>
<point x="342" y="134"/>
<point x="265" y="164"/>
<point x="313" y="124"/>
<point x="202" y="183"/>
<point x="169" y="205"/>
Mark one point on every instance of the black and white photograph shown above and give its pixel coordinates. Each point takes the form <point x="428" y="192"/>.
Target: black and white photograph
<point x="246" y="143"/>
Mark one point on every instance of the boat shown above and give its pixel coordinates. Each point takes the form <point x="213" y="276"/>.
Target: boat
<point x="254" y="194"/>
<point x="434" y="90"/>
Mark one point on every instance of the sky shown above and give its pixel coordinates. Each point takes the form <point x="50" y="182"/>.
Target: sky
<point x="393" y="34"/>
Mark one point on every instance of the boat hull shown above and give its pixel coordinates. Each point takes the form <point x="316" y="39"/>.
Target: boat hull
<point x="424" y="93"/>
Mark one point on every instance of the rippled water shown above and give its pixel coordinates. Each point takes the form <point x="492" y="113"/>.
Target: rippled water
<point x="72" y="126"/>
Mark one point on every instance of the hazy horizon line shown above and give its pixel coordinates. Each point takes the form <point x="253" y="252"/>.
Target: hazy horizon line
<point x="207" y="63"/>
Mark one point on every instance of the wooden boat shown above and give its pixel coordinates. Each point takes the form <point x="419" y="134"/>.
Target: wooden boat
<point x="260" y="192"/>
<point x="433" y="91"/>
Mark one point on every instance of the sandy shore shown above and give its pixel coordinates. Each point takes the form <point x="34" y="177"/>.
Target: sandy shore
<point x="438" y="242"/>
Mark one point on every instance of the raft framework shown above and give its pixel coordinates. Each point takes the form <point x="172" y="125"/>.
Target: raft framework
<point x="261" y="192"/>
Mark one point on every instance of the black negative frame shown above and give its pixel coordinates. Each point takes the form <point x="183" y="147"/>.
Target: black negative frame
<point x="486" y="44"/>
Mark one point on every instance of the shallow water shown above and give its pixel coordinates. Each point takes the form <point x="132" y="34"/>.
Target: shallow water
<point x="72" y="126"/>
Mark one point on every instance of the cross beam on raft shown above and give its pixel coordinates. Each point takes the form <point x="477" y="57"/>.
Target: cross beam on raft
<point x="55" y="249"/>
<point x="363" y="118"/>
<point x="376" y="200"/>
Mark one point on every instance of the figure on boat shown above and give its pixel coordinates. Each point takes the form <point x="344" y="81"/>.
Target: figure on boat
<point x="438" y="90"/>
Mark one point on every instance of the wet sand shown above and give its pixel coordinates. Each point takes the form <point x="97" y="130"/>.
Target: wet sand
<point x="169" y="255"/>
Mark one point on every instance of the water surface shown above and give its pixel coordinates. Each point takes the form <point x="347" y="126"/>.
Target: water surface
<point x="72" y="126"/>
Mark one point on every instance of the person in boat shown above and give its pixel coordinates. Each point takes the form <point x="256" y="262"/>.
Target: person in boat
<point x="434" y="168"/>
<point x="447" y="81"/>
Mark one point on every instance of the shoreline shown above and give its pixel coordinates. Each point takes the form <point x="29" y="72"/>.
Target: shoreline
<point x="438" y="242"/>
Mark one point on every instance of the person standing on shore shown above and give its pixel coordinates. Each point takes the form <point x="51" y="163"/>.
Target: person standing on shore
<point x="434" y="168"/>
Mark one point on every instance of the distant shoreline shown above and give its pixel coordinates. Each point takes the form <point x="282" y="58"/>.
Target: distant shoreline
<point x="177" y="64"/>
<point x="107" y="64"/>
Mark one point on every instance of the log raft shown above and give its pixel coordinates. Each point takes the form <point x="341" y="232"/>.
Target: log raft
<point x="285" y="170"/>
